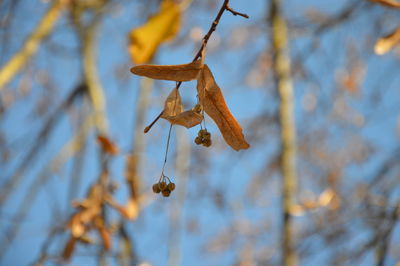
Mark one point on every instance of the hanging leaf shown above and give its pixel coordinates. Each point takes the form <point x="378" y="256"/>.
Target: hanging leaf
<point x="214" y="105"/>
<point x="187" y="119"/>
<point x="184" y="72"/>
<point x="173" y="104"/>
<point x="162" y="26"/>
<point x="389" y="3"/>
<point x="385" y="44"/>
<point x="173" y="111"/>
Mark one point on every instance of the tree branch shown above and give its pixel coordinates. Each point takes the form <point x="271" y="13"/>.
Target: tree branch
<point x="31" y="45"/>
<point x="288" y="131"/>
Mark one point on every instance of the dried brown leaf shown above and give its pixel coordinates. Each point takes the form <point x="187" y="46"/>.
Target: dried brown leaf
<point x="162" y="26"/>
<point x="107" y="145"/>
<point x="215" y="106"/>
<point x="173" y="104"/>
<point x="187" y="119"/>
<point x="69" y="248"/>
<point x="184" y="72"/>
<point x="385" y="44"/>
<point x="173" y="111"/>
<point x="389" y="3"/>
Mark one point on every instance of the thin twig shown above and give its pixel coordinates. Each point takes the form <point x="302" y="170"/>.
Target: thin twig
<point x="235" y="13"/>
<point x="147" y="129"/>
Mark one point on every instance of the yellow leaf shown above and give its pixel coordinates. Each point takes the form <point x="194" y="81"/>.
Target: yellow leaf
<point x="389" y="3"/>
<point x="184" y="72"/>
<point x="214" y="105"/>
<point x="385" y="44"/>
<point x="162" y="26"/>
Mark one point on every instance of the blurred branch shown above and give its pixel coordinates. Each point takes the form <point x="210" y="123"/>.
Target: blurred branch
<point x="127" y="256"/>
<point x="339" y="18"/>
<point x="384" y="239"/>
<point x="78" y="163"/>
<point x="13" y="181"/>
<point x="138" y="141"/>
<point x="95" y="88"/>
<point x="43" y="256"/>
<point x="288" y="131"/>
<point x="31" y="45"/>
<point x="52" y="167"/>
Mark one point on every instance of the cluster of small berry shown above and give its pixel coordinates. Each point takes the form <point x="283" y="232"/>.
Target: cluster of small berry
<point x="203" y="138"/>
<point x="163" y="187"/>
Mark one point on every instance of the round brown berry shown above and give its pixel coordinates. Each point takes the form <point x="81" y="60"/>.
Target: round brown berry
<point x="201" y="132"/>
<point x="207" y="143"/>
<point x="156" y="188"/>
<point x="162" y="185"/>
<point x="171" y="186"/>
<point x="197" y="140"/>
<point x="166" y="193"/>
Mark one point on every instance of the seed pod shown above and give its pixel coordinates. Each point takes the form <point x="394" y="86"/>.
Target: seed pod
<point x="162" y="185"/>
<point x="207" y="143"/>
<point x="166" y="193"/>
<point x="156" y="188"/>
<point x="171" y="186"/>
<point x="201" y="132"/>
<point x="197" y="140"/>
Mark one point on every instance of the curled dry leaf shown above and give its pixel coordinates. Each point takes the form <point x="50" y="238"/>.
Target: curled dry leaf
<point x="389" y="3"/>
<point x="184" y="72"/>
<point x="187" y="119"/>
<point x="173" y="111"/>
<point x="385" y="44"/>
<point x="214" y="105"/>
<point x="173" y="104"/>
<point x="161" y="27"/>
<point x="107" y="145"/>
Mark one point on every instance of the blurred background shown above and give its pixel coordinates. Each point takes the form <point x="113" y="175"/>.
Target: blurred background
<point x="76" y="169"/>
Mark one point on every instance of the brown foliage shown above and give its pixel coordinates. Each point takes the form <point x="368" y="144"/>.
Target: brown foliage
<point x="215" y="106"/>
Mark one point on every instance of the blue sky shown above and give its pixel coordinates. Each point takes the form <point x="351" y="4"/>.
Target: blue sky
<point x="227" y="172"/>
